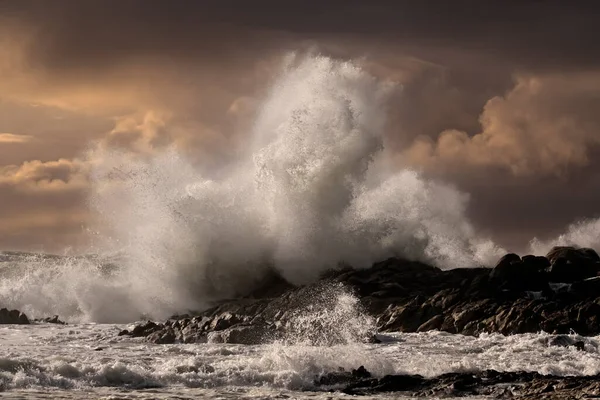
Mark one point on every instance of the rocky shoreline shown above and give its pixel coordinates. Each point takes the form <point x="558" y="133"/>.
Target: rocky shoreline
<point x="558" y="294"/>
<point x="514" y="385"/>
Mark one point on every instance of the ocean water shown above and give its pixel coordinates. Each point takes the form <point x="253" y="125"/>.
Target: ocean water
<point x="90" y="361"/>
<point x="312" y="186"/>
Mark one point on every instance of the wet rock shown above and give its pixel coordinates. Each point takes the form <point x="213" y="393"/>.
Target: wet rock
<point x="409" y="296"/>
<point x="488" y="384"/>
<point x="571" y="264"/>
<point x="163" y="336"/>
<point x="243" y="334"/>
<point x="566" y="341"/>
<point x="505" y="267"/>
<point x="433" y="323"/>
<point x="51" y="320"/>
<point x="343" y="377"/>
<point x="145" y="329"/>
<point x="13" y="317"/>
<point x="224" y="321"/>
<point x="539" y="263"/>
<point x="515" y="274"/>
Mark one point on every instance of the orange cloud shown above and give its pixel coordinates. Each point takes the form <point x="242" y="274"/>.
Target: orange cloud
<point x="14" y="138"/>
<point x="51" y="175"/>
<point x="543" y="125"/>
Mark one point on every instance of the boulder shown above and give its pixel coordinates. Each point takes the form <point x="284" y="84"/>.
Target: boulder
<point x="50" y="320"/>
<point x="224" y="321"/>
<point x="163" y="336"/>
<point x="570" y="264"/>
<point x="145" y="329"/>
<point x="433" y="323"/>
<point x="516" y="274"/>
<point x="243" y="334"/>
<point x="14" y="317"/>
<point x="566" y="341"/>
<point x="506" y="268"/>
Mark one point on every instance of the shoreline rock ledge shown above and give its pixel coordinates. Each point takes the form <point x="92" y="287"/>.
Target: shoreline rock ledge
<point x="558" y="294"/>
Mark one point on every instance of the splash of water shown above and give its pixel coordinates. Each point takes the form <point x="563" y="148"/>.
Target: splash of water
<point x="584" y="233"/>
<point x="311" y="192"/>
<point x="332" y="315"/>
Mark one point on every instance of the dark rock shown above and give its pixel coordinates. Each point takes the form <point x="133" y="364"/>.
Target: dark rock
<point x="516" y="274"/>
<point x="373" y="339"/>
<point x="566" y="341"/>
<point x="590" y="253"/>
<point x="185" y="369"/>
<point x="404" y="296"/>
<point x="145" y="329"/>
<point x="488" y="384"/>
<point x="50" y="320"/>
<point x="243" y="334"/>
<point x="224" y="321"/>
<point x="13" y="317"/>
<point x="361" y="373"/>
<point x="433" y="323"/>
<point x="538" y="262"/>
<point x="570" y="264"/>
<point x="164" y="336"/>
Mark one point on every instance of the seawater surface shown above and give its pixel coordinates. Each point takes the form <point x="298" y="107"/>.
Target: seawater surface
<point x="90" y="361"/>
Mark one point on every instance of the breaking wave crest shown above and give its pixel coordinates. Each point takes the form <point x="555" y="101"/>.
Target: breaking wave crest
<point x="313" y="191"/>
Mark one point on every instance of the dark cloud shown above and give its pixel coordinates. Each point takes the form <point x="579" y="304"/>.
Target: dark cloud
<point x="90" y="34"/>
<point x="498" y="97"/>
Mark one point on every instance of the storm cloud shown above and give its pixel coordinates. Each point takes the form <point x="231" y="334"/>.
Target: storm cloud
<point x="499" y="99"/>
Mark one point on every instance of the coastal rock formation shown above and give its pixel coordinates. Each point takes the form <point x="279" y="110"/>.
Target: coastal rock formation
<point x="50" y="320"/>
<point x="559" y="294"/>
<point x="14" y="317"/>
<point x="515" y="385"/>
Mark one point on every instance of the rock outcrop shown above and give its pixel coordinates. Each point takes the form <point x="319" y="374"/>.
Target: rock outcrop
<point x="515" y="385"/>
<point x="50" y="320"/>
<point x="559" y="294"/>
<point x="13" y="317"/>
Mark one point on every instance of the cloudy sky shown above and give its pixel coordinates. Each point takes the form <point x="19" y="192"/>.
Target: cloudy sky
<point x="501" y="99"/>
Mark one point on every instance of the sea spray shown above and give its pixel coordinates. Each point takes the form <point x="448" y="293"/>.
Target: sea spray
<point x="330" y="315"/>
<point x="311" y="193"/>
<point x="585" y="233"/>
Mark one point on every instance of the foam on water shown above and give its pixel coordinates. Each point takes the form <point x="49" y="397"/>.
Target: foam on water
<point x="91" y="358"/>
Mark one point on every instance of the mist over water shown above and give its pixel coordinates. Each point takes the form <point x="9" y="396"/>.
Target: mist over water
<point x="313" y="191"/>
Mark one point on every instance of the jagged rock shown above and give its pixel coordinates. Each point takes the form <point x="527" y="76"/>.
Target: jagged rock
<point x="566" y="341"/>
<point x="433" y="323"/>
<point x="163" y="336"/>
<point x="570" y="264"/>
<point x="343" y="377"/>
<point x="13" y="317"/>
<point x="243" y="334"/>
<point x="520" y="274"/>
<point x="224" y="321"/>
<point x="145" y="329"/>
<point x="50" y="320"/>
<point x="409" y="297"/>
<point x="489" y="384"/>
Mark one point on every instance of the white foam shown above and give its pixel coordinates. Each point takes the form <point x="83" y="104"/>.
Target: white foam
<point x="47" y="357"/>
